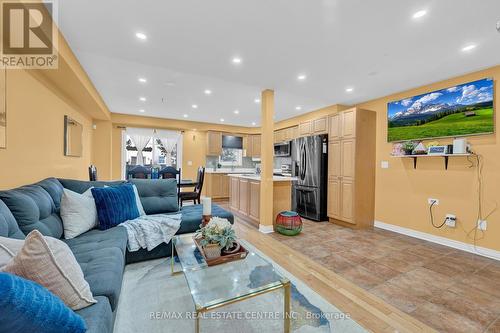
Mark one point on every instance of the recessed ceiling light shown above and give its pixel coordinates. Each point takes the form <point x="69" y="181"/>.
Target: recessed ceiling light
<point x="298" y="107"/>
<point x="185" y="116"/>
<point x="208" y="92"/>
<point x="194" y="106"/>
<point x="349" y="89"/>
<point x="237" y="60"/>
<point x="419" y="14"/>
<point x="236" y="111"/>
<point x="142" y="99"/>
<point x="253" y="123"/>
<point x="141" y="35"/>
<point x="141" y="111"/>
<point x="257" y="100"/>
<point x="221" y="120"/>
<point x="469" y="47"/>
<point x="142" y="80"/>
<point x="301" y="77"/>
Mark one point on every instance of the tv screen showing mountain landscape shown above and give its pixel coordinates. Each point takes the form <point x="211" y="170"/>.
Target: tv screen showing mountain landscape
<point x="465" y="109"/>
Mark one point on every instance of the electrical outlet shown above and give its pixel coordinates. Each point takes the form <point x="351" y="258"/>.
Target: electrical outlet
<point x="384" y="164"/>
<point x="482" y="224"/>
<point x="432" y="200"/>
<point x="451" y="220"/>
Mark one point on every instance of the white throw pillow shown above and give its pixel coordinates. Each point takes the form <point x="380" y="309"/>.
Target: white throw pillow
<point x="9" y="247"/>
<point x="138" y="202"/>
<point x="78" y="213"/>
<point x="49" y="261"/>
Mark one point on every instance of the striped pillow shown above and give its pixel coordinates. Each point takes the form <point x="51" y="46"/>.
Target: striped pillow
<point x="115" y="205"/>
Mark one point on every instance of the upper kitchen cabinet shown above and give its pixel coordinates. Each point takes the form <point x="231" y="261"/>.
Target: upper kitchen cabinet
<point x="320" y="125"/>
<point x="314" y="127"/>
<point x="305" y="128"/>
<point x="251" y="145"/>
<point x="255" y="143"/>
<point x="214" y="143"/>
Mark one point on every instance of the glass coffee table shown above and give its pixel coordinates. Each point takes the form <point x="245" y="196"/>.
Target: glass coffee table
<point x="217" y="286"/>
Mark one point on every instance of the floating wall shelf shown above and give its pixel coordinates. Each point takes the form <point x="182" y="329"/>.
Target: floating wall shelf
<point x="444" y="156"/>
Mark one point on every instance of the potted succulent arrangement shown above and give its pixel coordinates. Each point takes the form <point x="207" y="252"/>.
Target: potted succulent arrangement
<point x="216" y="237"/>
<point x="408" y="147"/>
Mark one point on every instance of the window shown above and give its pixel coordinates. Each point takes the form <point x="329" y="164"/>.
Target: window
<point x="231" y="157"/>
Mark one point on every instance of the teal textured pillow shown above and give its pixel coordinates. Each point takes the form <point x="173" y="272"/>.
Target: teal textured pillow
<point x="27" y="307"/>
<point x="115" y="205"/>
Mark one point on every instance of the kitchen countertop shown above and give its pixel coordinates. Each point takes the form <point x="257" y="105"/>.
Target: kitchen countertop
<point x="234" y="171"/>
<point x="257" y="177"/>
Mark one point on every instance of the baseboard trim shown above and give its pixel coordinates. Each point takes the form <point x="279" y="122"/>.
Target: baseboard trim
<point x="266" y="229"/>
<point x="482" y="251"/>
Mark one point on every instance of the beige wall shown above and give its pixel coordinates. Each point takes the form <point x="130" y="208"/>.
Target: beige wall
<point x="35" y="130"/>
<point x="402" y="192"/>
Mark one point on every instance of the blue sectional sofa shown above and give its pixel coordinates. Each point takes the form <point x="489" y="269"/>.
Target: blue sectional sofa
<point x="102" y="255"/>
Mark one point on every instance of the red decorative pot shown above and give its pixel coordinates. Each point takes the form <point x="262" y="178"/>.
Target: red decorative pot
<point x="288" y="223"/>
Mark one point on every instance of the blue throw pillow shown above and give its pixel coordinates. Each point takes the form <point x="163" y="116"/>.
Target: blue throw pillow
<point x="27" y="307"/>
<point x="115" y="205"/>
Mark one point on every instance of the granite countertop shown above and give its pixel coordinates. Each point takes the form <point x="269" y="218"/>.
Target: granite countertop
<point x="234" y="171"/>
<point x="257" y="177"/>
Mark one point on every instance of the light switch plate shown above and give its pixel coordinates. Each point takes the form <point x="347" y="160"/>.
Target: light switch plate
<point x="384" y="164"/>
<point x="190" y="163"/>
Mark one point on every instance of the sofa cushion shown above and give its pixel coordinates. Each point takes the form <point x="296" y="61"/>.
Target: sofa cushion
<point x="191" y="217"/>
<point x="158" y="196"/>
<point x="103" y="270"/>
<point x="54" y="188"/>
<point x="80" y="186"/>
<point x="34" y="209"/>
<point x="98" y="317"/>
<point x="8" y="224"/>
<point x="28" y="307"/>
<point x="115" y="205"/>
<point x="99" y="239"/>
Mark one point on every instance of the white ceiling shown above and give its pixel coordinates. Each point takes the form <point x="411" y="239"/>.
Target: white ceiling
<point x="375" y="47"/>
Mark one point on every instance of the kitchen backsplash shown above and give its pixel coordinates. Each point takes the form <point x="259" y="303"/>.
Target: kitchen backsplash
<point x="211" y="161"/>
<point x="247" y="162"/>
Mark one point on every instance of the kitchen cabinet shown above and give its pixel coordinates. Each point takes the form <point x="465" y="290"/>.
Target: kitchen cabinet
<point x="320" y="125"/>
<point x="351" y="168"/>
<point x="234" y="198"/>
<point x="305" y="128"/>
<point x="214" y="143"/>
<point x="254" y="200"/>
<point x="216" y="185"/>
<point x="244" y="196"/>
<point x="279" y="136"/>
<point x="254" y="144"/>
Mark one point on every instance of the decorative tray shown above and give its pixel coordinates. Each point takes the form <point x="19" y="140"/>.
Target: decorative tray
<point x="224" y="258"/>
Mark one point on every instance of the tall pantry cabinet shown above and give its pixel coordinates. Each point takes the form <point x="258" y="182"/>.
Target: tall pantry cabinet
<point x="351" y="167"/>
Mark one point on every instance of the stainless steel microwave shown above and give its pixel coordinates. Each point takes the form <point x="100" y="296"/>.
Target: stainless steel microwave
<point x="282" y="148"/>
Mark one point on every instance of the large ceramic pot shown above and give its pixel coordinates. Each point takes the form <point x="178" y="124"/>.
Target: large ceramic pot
<point x="288" y="223"/>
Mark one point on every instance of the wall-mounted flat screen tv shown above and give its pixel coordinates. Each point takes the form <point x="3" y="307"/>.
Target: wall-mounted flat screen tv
<point x="465" y="109"/>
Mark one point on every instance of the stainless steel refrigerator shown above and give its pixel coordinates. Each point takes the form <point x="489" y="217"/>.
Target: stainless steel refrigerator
<point x="309" y="165"/>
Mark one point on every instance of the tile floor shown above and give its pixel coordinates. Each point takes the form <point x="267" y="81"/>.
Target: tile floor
<point x="448" y="289"/>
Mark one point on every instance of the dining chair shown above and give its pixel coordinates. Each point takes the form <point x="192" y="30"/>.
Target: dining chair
<point x="92" y="173"/>
<point x="170" y="172"/>
<point x="140" y="172"/>
<point x="196" y="193"/>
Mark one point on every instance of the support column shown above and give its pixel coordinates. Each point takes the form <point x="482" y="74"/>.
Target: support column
<point x="266" y="157"/>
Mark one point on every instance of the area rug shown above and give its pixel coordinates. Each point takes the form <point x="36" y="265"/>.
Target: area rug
<point x="154" y="301"/>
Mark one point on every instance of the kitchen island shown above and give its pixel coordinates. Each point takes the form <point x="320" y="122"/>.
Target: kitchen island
<point x="244" y="196"/>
